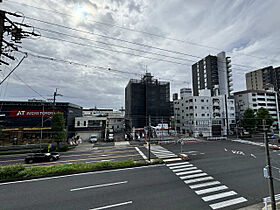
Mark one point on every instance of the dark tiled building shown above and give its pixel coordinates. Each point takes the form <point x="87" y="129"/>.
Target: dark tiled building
<point x="144" y="98"/>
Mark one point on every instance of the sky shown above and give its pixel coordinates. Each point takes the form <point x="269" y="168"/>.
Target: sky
<point x="114" y="41"/>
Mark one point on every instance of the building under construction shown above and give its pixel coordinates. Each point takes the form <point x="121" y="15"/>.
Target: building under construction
<point x="146" y="98"/>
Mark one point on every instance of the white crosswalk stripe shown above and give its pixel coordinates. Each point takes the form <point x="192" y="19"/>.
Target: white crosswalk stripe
<point x="198" y="179"/>
<point x="212" y="189"/>
<point x="184" y="169"/>
<point x="193" y="172"/>
<point x="163" y="153"/>
<point x="218" y="196"/>
<point x="177" y="164"/>
<point x="190" y="176"/>
<point x="203" y="185"/>
<point x="228" y="203"/>
<point x="181" y="166"/>
<point x="207" y="184"/>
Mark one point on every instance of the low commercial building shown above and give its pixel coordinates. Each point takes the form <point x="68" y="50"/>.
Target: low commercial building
<point x="24" y="120"/>
<point x="90" y="125"/>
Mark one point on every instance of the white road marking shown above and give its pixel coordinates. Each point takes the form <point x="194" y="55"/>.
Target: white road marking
<point x="253" y="156"/>
<point x="190" y="176"/>
<point x="171" y="160"/>
<point x="95" y="161"/>
<point x="212" y="189"/>
<point x="79" y="174"/>
<point x="228" y="203"/>
<point x="226" y="149"/>
<point x="218" y="196"/>
<point x="184" y="169"/>
<point x="166" y="156"/>
<point x="113" y="205"/>
<point x="191" y="152"/>
<point x="181" y="166"/>
<point x="98" y="186"/>
<point x="163" y="153"/>
<point x="198" y="179"/>
<point x="204" y="184"/>
<point x="193" y="172"/>
<point x="177" y="164"/>
<point x="141" y="153"/>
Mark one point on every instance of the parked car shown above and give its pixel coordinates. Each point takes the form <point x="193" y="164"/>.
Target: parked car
<point x="111" y="137"/>
<point x="42" y="157"/>
<point x="93" y="138"/>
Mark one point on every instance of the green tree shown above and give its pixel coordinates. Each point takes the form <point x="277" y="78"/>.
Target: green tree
<point x="249" y="120"/>
<point x="58" y="127"/>
<point x="263" y="114"/>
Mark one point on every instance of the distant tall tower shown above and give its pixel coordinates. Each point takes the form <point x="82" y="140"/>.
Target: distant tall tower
<point x="211" y="73"/>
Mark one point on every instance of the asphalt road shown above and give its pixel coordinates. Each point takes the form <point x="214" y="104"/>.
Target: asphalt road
<point x="90" y="156"/>
<point x="219" y="175"/>
<point x="138" y="188"/>
<point x="238" y="166"/>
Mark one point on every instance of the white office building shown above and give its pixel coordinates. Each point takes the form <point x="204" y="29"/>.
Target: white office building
<point x="204" y="115"/>
<point x="256" y="99"/>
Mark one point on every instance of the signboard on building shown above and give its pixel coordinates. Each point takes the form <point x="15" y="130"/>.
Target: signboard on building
<point x="32" y="113"/>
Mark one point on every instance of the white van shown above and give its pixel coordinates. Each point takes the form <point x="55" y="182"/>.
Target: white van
<point x="93" y="138"/>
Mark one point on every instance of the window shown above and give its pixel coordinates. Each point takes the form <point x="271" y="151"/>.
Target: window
<point x="196" y="115"/>
<point x="202" y="107"/>
<point x="202" y="100"/>
<point x="202" y="115"/>
<point x="182" y="110"/>
<point x="195" y="107"/>
<point x="78" y="123"/>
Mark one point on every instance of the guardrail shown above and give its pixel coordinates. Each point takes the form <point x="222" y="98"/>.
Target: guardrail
<point x="268" y="200"/>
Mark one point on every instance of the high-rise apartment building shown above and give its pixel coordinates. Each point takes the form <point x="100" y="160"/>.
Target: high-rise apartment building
<point x="146" y="98"/>
<point x="260" y="79"/>
<point x="213" y="72"/>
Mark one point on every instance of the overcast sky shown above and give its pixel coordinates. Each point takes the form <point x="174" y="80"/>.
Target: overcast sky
<point x="247" y="30"/>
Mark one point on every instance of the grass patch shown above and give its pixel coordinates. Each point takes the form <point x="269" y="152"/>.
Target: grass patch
<point x="21" y="172"/>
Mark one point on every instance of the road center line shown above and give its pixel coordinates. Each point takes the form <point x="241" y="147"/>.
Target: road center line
<point x="113" y="205"/>
<point x="98" y="186"/>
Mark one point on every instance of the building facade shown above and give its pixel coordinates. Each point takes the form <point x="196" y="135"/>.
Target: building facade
<point x="144" y="99"/>
<point x="25" y="119"/>
<point x="261" y="78"/>
<point x="204" y="115"/>
<point x="211" y="72"/>
<point x="256" y="99"/>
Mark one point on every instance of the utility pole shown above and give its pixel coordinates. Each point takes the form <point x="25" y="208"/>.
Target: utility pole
<point x="42" y="125"/>
<point x="54" y="97"/>
<point x="161" y="128"/>
<point x="149" y="132"/>
<point x="270" y="181"/>
<point x="2" y="17"/>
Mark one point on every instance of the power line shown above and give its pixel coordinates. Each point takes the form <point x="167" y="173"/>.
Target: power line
<point x="111" y="50"/>
<point x="126" y="41"/>
<point x="87" y="65"/>
<point x="139" y="31"/>
<point x="13" y="69"/>
<point x="29" y="86"/>
<point x="110" y="44"/>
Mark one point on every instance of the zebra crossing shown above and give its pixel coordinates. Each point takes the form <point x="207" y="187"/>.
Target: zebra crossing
<point x="249" y="142"/>
<point x="163" y="153"/>
<point x="213" y="192"/>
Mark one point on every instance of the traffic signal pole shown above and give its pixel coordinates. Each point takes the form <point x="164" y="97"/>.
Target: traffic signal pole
<point x="270" y="179"/>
